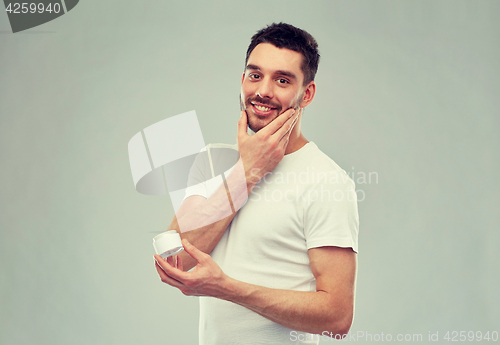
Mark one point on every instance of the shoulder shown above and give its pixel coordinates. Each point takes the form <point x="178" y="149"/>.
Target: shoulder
<point x="214" y="157"/>
<point x="320" y="163"/>
<point x="222" y="157"/>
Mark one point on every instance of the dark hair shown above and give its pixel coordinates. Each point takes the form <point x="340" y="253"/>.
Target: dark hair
<point x="287" y="36"/>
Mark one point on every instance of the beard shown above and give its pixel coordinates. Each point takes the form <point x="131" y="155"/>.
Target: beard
<point x="255" y="122"/>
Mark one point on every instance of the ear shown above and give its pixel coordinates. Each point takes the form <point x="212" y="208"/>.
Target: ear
<point x="309" y="93"/>
<point x="242" y="77"/>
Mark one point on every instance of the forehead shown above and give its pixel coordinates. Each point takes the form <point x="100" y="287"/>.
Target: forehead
<point x="270" y="59"/>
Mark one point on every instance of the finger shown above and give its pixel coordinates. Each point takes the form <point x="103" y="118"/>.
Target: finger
<point x="278" y="122"/>
<point x="194" y="252"/>
<point x="169" y="270"/>
<point x="286" y="129"/>
<point x="285" y="142"/>
<point x="242" y="125"/>
<point x="167" y="279"/>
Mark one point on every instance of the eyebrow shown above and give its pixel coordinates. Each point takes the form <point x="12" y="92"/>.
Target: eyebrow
<point x="278" y="72"/>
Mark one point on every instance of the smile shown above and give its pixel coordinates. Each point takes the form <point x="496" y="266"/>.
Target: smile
<point x="262" y="110"/>
<point x="261" y="107"/>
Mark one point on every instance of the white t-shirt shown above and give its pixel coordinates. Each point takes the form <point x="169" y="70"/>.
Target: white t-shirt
<point x="307" y="201"/>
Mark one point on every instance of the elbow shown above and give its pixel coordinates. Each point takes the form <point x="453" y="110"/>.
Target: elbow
<point x="344" y="329"/>
<point x="339" y="326"/>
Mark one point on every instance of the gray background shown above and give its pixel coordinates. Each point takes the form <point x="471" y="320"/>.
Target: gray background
<point x="408" y="90"/>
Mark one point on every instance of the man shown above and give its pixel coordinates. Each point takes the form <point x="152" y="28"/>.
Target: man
<point x="283" y="266"/>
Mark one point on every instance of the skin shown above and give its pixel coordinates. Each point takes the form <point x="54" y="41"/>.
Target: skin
<point x="272" y="78"/>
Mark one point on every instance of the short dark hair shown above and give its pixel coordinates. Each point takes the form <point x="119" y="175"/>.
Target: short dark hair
<point x="287" y="36"/>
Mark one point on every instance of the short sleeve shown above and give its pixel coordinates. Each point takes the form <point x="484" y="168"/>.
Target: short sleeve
<point x="199" y="174"/>
<point x="331" y="215"/>
<point x="205" y="175"/>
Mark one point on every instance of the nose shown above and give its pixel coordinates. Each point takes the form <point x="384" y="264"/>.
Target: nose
<point x="265" y="89"/>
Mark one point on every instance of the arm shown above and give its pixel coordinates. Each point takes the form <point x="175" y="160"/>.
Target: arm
<point x="205" y="218"/>
<point x="329" y="308"/>
<point x="206" y="237"/>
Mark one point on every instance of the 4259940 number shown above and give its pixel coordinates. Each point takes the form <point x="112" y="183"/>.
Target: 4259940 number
<point x="33" y="8"/>
<point x="470" y="336"/>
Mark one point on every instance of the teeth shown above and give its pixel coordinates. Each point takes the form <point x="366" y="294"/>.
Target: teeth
<point x="262" y="108"/>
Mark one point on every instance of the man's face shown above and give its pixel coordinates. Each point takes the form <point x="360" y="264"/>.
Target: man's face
<point x="271" y="84"/>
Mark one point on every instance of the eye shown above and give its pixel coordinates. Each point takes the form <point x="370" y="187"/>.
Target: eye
<point x="254" y="76"/>
<point x="283" y="81"/>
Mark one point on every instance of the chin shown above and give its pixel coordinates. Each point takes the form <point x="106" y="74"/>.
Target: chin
<point x="255" y="128"/>
<point x="256" y="123"/>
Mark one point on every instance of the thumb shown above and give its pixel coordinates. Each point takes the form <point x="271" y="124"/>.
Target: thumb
<point x="242" y="125"/>
<point x="194" y="252"/>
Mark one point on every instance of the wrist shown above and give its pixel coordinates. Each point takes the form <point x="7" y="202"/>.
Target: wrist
<point x="253" y="177"/>
<point x="239" y="292"/>
<point x="226" y="288"/>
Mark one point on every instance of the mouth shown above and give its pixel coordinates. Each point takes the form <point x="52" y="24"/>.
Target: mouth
<point x="262" y="110"/>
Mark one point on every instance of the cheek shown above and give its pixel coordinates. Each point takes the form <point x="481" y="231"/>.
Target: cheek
<point x="246" y="86"/>
<point x="245" y="93"/>
<point x="296" y="99"/>
<point x="287" y="101"/>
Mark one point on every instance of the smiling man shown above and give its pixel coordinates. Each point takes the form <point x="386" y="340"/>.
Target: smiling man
<point x="272" y="81"/>
<point x="281" y="269"/>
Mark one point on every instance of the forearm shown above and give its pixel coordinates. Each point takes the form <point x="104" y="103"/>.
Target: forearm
<point x="306" y="311"/>
<point x="205" y="238"/>
<point x="204" y="224"/>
